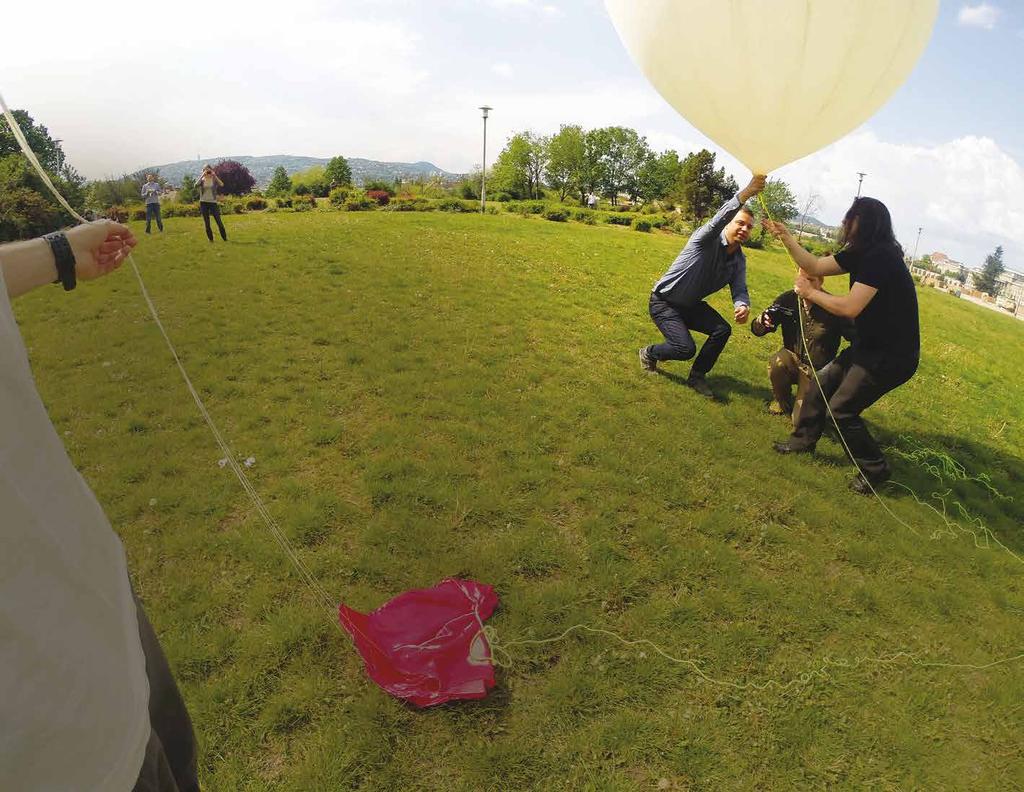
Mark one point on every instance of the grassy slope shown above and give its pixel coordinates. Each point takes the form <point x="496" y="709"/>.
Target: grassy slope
<point x="432" y="395"/>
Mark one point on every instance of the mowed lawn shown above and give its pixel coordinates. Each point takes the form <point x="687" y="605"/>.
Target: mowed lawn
<point x="430" y="395"/>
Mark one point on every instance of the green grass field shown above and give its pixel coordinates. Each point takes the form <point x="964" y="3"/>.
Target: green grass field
<point x="429" y="395"/>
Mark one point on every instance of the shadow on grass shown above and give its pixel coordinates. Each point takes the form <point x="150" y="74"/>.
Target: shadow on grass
<point x="725" y="387"/>
<point x="989" y="487"/>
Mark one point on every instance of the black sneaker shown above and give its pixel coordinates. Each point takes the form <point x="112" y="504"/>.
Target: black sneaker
<point x="647" y="363"/>
<point x="699" y="384"/>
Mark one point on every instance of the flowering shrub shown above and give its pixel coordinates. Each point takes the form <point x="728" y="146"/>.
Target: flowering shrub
<point x="380" y="197"/>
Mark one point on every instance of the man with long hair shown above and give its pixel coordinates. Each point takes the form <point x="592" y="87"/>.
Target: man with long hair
<point x="713" y="258"/>
<point x="882" y="303"/>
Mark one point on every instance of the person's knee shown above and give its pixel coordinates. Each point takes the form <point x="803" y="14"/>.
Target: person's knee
<point x="682" y="350"/>
<point x="722" y="332"/>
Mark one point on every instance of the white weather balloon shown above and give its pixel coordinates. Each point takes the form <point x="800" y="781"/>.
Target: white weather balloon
<point x="771" y="81"/>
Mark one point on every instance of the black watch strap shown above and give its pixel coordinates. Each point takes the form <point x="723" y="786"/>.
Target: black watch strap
<point x="64" y="258"/>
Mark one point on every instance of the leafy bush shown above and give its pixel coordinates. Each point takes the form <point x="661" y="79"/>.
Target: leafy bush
<point x="503" y="197"/>
<point x="301" y="189"/>
<point x="375" y="185"/>
<point x="409" y="204"/>
<point x="181" y="210"/>
<point x="358" y="202"/>
<point x="138" y="213"/>
<point x="284" y="202"/>
<point x="303" y="203"/>
<point x="338" y="196"/>
<point x="640" y="224"/>
<point x="379" y="197"/>
<point x="256" y="204"/>
<point x="583" y="216"/>
<point x="117" y="213"/>
<point x="526" y="207"/>
<point x="456" y="205"/>
<point x="556" y="215"/>
<point x="614" y="219"/>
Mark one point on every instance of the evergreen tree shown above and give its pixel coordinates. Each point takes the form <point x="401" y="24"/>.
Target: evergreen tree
<point x="280" y="184"/>
<point x="338" y="173"/>
<point x="986" y="280"/>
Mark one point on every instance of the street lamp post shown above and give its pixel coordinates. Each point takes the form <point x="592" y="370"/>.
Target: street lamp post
<point x="483" y="172"/>
<point x="860" y="182"/>
<point x="918" y="242"/>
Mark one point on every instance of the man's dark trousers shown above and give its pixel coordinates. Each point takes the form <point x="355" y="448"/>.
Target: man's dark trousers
<point x="851" y="388"/>
<point x="675" y="323"/>
<point x="153" y="213"/>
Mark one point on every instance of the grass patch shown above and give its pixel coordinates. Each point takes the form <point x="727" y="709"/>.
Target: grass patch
<point x="437" y="394"/>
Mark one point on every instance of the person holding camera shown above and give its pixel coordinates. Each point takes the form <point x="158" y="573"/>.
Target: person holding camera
<point x="208" y="183"/>
<point x="151" y="195"/>
<point x="89" y="701"/>
<point x="882" y="303"/>
<point x="800" y="323"/>
<point x="713" y="258"/>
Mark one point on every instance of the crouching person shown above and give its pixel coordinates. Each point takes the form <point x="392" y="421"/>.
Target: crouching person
<point x="791" y="366"/>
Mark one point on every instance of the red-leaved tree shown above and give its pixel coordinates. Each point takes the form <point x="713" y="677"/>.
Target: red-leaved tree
<point x="236" y="177"/>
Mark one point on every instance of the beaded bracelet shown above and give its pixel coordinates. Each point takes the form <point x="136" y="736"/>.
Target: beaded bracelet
<point x="64" y="258"/>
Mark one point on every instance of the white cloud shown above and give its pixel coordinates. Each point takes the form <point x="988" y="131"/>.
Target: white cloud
<point x="983" y="15"/>
<point x="502" y="69"/>
<point x="960" y="191"/>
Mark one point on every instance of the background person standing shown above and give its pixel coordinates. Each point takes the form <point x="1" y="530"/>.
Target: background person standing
<point x="208" y="183"/>
<point x="151" y="194"/>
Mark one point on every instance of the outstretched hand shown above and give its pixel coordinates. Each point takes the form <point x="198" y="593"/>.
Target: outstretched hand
<point x="100" y="247"/>
<point x="741" y="314"/>
<point x="775" y="228"/>
<point x="756" y="184"/>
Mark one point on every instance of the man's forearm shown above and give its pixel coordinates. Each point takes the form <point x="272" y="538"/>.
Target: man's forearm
<point x="27" y="265"/>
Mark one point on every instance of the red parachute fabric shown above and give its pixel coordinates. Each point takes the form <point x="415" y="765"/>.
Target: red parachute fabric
<point x="428" y="646"/>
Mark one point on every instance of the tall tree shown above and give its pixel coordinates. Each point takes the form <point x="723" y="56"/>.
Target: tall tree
<point x="536" y="162"/>
<point x="28" y="208"/>
<point x="236" y="177"/>
<point x="778" y="199"/>
<point x="338" y="172"/>
<point x="511" y="172"/>
<point x="657" y="175"/>
<point x="280" y="184"/>
<point x="622" y="153"/>
<point x="566" y="160"/>
<point x="189" y="191"/>
<point x="987" y="279"/>
<point x="694" y="186"/>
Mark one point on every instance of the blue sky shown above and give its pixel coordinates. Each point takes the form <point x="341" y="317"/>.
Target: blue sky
<point x="139" y="84"/>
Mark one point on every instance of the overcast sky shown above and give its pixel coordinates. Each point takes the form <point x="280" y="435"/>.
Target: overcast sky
<point x="128" y="85"/>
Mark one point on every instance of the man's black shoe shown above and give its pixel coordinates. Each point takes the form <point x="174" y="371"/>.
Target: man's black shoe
<point x="789" y="447"/>
<point x="699" y="384"/>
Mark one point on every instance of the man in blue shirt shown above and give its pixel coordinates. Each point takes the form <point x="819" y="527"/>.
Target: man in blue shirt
<point x="151" y="193"/>
<point x="712" y="258"/>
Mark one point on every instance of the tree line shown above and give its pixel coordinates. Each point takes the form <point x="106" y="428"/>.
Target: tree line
<point x="615" y="162"/>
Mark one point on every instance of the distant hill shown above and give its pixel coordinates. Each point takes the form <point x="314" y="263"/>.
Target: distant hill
<point x="262" y="168"/>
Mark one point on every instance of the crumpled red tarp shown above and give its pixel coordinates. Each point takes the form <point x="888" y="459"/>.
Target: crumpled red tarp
<point x="428" y="646"/>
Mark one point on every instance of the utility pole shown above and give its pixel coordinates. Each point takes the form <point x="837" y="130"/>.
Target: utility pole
<point x="918" y="242"/>
<point x="483" y="173"/>
<point x="860" y="182"/>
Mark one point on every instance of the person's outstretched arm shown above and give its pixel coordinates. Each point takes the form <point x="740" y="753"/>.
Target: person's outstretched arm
<point x="807" y="261"/>
<point x="714" y="227"/>
<point x="98" y="248"/>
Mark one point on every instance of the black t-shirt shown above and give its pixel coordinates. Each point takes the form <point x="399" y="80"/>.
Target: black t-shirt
<point x="888" y="326"/>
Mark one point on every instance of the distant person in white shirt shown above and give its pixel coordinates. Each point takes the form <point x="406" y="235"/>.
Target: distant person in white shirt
<point x="208" y="183"/>
<point x="87" y="701"/>
<point x="151" y="194"/>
